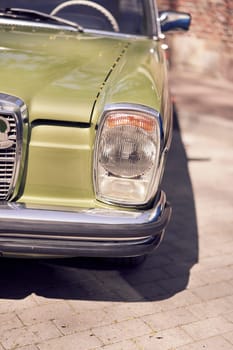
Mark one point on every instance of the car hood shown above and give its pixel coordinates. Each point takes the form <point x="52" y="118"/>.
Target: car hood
<point x="59" y="76"/>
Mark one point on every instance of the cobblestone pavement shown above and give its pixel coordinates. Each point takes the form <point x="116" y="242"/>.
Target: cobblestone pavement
<point x="182" y="296"/>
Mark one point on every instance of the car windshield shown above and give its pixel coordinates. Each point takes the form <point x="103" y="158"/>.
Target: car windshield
<point x="124" y="16"/>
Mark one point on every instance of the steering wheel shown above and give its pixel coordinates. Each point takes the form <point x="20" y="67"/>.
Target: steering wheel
<point x="92" y="4"/>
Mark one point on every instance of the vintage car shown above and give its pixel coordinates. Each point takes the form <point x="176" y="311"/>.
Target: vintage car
<point x="85" y="127"/>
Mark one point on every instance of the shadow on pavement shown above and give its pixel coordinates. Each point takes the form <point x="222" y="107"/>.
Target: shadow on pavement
<point x="164" y="273"/>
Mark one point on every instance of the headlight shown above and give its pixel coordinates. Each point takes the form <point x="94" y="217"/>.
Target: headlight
<point x="126" y="154"/>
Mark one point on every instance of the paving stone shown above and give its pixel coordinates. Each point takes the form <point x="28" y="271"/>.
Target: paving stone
<point x="120" y="312"/>
<point x="144" y="308"/>
<point x="229" y="337"/>
<point x="195" y="281"/>
<point x="121" y="331"/>
<point x="213" y="291"/>
<point x="215" y="262"/>
<point x="78" y="341"/>
<point x="86" y="305"/>
<point x="180" y="269"/>
<point x="124" y="291"/>
<point x="216" y="275"/>
<point x="164" y="340"/>
<point x="208" y="328"/>
<point x="226" y="247"/>
<point x="45" y="313"/>
<point x="69" y="324"/>
<point x="9" y="321"/>
<point x="169" y="319"/>
<point x="178" y="300"/>
<point x="229" y="315"/>
<point x="18" y="337"/>
<point x="87" y="319"/>
<point x="211" y="308"/>
<point x="145" y="291"/>
<point x="214" y="343"/>
<point x="10" y="305"/>
<point x="171" y="285"/>
<point x="45" y="331"/>
<point x="145" y="275"/>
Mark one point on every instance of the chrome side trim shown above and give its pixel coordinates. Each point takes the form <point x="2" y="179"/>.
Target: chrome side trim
<point x="14" y="110"/>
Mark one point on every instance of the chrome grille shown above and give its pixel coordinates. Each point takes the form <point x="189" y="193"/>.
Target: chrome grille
<point x="8" y="160"/>
<point x="13" y="144"/>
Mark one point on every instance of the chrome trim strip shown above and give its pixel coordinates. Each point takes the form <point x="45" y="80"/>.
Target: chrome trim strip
<point x="32" y="25"/>
<point x="71" y="238"/>
<point x="131" y="107"/>
<point x="157" y="29"/>
<point x="151" y="15"/>
<point x="114" y="34"/>
<point x="17" y="218"/>
<point x="29" y="24"/>
<point x="35" y="248"/>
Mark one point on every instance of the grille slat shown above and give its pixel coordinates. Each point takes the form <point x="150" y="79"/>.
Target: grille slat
<point x="7" y="159"/>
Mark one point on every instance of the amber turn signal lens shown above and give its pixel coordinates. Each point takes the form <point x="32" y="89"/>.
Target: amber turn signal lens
<point x="145" y="123"/>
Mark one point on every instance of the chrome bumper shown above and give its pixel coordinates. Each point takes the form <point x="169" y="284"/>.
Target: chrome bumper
<point x="81" y="232"/>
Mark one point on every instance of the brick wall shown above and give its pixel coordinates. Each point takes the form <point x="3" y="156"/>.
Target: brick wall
<point x="208" y="46"/>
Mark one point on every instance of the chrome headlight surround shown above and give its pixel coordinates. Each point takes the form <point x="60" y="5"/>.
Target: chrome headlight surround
<point x="127" y="154"/>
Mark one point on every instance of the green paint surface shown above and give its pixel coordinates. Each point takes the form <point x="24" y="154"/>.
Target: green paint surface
<point x="71" y="77"/>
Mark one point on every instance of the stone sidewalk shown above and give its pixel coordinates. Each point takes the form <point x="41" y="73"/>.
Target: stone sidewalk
<point x="182" y="296"/>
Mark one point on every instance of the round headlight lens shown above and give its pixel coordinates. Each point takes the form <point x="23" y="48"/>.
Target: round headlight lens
<point x="127" y="151"/>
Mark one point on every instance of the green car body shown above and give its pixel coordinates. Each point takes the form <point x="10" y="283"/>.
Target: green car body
<point x="61" y="82"/>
